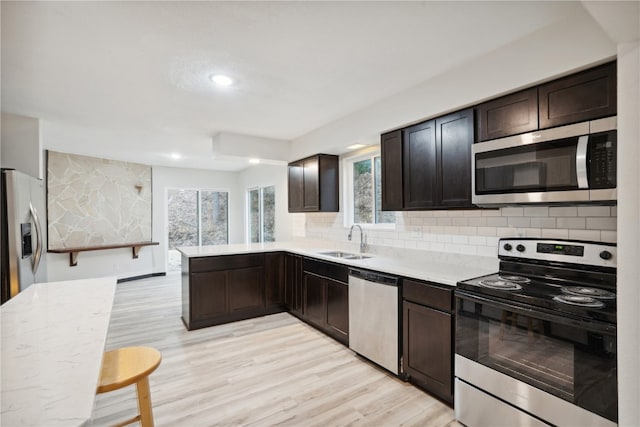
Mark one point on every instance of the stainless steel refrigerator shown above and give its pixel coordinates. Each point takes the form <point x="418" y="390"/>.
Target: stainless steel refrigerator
<point x="22" y="220"/>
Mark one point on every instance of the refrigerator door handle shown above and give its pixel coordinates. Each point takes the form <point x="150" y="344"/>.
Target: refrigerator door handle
<point x="35" y="262"/>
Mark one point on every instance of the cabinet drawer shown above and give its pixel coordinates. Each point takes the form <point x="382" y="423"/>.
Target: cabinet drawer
<point x="437" y="297"/>
<point x="225" y="262"/>
<point x="326" y="269"/>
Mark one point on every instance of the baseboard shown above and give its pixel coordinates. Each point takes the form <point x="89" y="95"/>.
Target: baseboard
<point x="143" y="276"/>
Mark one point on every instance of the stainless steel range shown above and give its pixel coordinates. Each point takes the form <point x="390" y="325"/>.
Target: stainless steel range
<point x="536" y="342"/>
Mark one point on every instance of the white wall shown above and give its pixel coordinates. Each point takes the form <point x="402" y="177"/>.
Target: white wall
<point x="21" y="144"/>
<point x="164" y="178"/>
<point x="552" y="51"/>
<point x="629" y="237"/>
<point x="264" y="176"/>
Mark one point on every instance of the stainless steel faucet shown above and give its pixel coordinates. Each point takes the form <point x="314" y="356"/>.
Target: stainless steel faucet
<point x="363" y="237"/>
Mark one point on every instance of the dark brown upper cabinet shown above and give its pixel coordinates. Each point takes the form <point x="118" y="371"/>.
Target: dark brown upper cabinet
<point x="583" y="96"/>
<point x="509" y="115"/>
<point x="587" y="95"/>
<point x="454" y="136"/>
<point x="313" y="184"/>
<point x="391" y="154"/>
<point x="420" y="166"/>
<point x="436" y="163"/>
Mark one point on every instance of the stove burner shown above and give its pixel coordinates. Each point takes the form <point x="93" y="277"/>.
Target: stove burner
<point x="500" y="284"/>
<point x="581" y="301"/>
<point x="591" y="292"/>
<point x="514" y="279"/>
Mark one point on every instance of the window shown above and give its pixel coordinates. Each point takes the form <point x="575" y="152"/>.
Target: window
<point x="195" y="217"/>
<point x="364" y="191"/>
<point x="261" y="214"/>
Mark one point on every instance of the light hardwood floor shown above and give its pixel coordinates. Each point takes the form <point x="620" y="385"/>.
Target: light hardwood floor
<point x="273" y="370"/>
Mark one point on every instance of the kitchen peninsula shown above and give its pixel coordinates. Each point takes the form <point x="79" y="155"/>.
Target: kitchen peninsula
<point x="53" y="338"/>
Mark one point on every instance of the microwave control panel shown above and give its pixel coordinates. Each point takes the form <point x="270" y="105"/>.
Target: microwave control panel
<point x="602" y="160"/>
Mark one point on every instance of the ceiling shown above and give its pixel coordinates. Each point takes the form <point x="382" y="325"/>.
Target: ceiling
<point x="130" y="80"/>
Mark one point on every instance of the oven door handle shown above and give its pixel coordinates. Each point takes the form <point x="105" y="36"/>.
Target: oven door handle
<point x="540" y="313"/>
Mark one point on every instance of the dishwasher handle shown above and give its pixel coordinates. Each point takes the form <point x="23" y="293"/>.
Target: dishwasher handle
<point x="371" y="276"/>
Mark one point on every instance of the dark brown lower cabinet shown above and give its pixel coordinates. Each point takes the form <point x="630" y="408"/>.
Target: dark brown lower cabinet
<point x="293" y="284"/>
<point x="427" y="338"/>
<point x="224" y="289"/>
<point x="326" y="298"/>
<point x="274" y="266"/>
<point x="338" y="309"/>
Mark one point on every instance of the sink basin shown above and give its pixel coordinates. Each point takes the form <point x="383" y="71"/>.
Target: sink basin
<point x="344" y="255"/>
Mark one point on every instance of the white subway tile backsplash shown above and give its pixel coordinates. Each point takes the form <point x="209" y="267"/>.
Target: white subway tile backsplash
<point x="478" y="222"/>
<point x="497" y="221"/>
<point x="519" y="221"/>
<point x="460" y="222"/>
<point x="594" y="211"/>
<point x="486" y="231"/>
<point x="536" y="211"/>
<point x="444" y="221"/>
<point x="563" y="211"/>
<point x="539" y="222"/>
<point x="602" y="223"/>
<point x="591" y="235"/>
<point x="566" y="222"/>
<point x="512" y="211"/>
<point x="614" y="210"/>
<point x="491" y="212"/>
<point x="554" y="233"/>
<point x="475" y="231"/>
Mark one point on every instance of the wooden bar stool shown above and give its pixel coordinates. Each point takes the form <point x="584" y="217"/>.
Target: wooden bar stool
<point x="126" y="366"/>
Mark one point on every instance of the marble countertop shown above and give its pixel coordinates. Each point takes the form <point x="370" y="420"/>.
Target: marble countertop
<point x="53" y="338"/>
<point x="438" y="267"/>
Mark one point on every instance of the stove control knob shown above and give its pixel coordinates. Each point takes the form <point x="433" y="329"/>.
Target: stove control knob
<point x="507" y="247"/>
<point x="605" y="255"/>
<point x="520" y="248"/>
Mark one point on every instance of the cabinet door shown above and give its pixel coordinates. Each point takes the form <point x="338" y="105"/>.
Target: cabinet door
<point x="311" y="194"/>
<point x="427" y="349"/>
<point x="391" y="159"/>
<point x="314" y="299"/>
<point x="584" y="96"/>
<point x="296" y="188"/>
<point x="420" y="166"/>
<point x="338" y="309"/>
<point x="293" y="283"/>
<point x="274" y="279"/>
<point x="208" y="295"/>
<point x="509" y="115"/>
<point x="454" y="134"/>
<point x="246" y="288"/>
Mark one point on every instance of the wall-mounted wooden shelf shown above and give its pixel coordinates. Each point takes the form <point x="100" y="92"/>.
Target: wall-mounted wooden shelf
<point x="73" y="252"/>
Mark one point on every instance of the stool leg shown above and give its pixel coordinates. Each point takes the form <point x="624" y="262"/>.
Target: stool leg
<point x="144" y="402"/>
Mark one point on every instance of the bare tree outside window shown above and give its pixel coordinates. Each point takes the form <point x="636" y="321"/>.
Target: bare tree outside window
<point x="262" y="214"/>
<point x="195" y="217"/>
<point x="367" y="193"/>
<point x="362" y="192"/>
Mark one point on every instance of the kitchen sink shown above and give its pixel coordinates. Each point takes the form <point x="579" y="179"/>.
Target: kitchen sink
<point x="344" y="255"/>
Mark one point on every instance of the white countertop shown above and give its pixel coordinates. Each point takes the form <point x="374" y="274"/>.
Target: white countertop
<point x="53" y="338"/>
<point x="438" y="267"/>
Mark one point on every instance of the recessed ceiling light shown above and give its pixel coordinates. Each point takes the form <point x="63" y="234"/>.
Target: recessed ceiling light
<point x="221" y="80"/>
<point x="356" y="146"/>
<point x="176" y="156"/>
<point x="254" y="161"/>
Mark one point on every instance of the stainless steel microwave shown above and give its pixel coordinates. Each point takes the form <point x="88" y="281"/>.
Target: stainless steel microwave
<point x="568" y="164"/>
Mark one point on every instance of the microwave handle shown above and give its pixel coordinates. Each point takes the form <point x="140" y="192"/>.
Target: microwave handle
<point x="581" y="162"/>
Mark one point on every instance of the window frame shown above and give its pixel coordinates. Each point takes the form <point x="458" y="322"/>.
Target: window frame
<point x="348" y="194"/>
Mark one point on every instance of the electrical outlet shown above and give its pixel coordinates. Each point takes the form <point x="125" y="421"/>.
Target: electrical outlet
<point x="416" y="232"/>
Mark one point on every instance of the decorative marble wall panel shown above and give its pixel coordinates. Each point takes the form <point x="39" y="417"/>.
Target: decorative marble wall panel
<point x="96" y="202"/>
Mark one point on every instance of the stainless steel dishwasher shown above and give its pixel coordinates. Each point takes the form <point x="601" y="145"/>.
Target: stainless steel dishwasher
<point x="373" y="317"/>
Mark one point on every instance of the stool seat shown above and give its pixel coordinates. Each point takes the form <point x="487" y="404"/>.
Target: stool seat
<point x="131" y="365"/>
